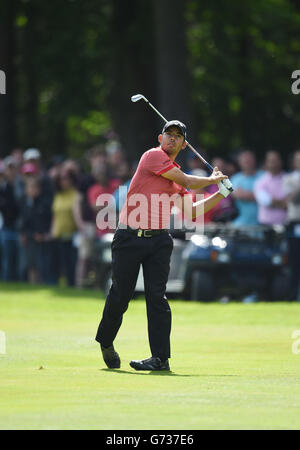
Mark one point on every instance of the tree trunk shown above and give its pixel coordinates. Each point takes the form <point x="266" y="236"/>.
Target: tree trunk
<point x="31" y="70"/>
<point x="171" y="62"/>
<point x="8" y="138"/>
<point x="132" y="71"/>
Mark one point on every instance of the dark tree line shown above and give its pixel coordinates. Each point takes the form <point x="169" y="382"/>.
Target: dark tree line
<point x="222" y="66"/>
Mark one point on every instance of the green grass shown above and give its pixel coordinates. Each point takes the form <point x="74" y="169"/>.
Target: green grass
<point x="232" y="365"/>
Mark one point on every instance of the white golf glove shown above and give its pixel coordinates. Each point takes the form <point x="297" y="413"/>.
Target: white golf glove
<point x="225" y="187"/>
<point x="227" y="184"/>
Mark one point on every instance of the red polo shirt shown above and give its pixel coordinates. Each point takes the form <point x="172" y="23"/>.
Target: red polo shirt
<point x="150" y="196"/>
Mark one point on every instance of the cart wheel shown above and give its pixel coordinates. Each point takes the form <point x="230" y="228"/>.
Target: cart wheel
<point x="202" y="286"/>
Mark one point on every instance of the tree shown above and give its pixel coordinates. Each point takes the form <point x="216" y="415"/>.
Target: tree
<point x="8" y="132"/>
<point x="131" y="70"/>
<point x="172" y="79"/>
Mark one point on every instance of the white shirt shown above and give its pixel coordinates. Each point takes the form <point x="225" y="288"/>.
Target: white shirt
<point x="291" y="184"/>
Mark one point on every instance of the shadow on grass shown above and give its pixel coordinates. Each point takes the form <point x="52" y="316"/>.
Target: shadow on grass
<point x="162" y="373"/>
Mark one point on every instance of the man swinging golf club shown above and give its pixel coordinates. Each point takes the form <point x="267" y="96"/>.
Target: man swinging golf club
<point x="138" y="242"/>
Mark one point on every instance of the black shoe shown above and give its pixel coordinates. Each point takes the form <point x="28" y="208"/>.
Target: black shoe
<point x="111" y="357"/>
<point x="150" y="364"/>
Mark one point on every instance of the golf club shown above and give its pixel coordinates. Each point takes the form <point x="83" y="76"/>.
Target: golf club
<point x="137" y="97"/>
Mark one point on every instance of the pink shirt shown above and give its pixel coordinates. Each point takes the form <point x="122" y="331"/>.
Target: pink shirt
<point x="267" y="188"/>
<point x="151" y="196"/>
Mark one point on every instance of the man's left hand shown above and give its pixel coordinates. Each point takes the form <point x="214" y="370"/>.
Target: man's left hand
<point x="217" y="176"/>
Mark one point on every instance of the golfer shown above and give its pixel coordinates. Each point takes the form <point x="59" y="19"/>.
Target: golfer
<point x="142" y="238"/>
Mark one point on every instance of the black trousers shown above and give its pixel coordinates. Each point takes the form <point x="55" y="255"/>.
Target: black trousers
<point x="128" y="252"/>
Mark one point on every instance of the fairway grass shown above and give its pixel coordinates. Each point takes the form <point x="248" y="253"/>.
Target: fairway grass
<point x="232" y="365"/>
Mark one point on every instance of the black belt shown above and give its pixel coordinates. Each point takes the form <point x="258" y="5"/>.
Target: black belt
<point x="144" y="233"/>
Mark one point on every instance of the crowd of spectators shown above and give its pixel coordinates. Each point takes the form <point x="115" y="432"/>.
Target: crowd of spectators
<point x="48" y="211"/>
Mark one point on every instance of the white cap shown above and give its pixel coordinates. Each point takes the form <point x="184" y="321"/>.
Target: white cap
<point x="31" y="153"/>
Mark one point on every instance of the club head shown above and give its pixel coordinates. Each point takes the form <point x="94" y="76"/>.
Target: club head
<point x="137" y="97"/>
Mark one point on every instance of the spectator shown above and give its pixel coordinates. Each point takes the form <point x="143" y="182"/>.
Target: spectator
<point x="32" y="166"/>
<point x="103" y="185"/>
<point x="54" y="168"/>
<point x="225" y="210"/>
<point x="124" y="175"/>
<point x="33" y="156"/>
<point x="269" y="192"/>
<point x="195" y="165"/>
<point x="85" y="216"/>
<point x="115" y="156"/>
<point x="96" y="156"/>
<point x="9" y="210"/>
<point x="34" y="225"/>
<point x="17" y="155"/>
<point x="292" y="189"/>
<point x="87" y="233"/>
<point x="28" y="170"/>
<point x="231" y="167"/>
<point x="72" y="165"/>
<point x="243" y="184"/>
<point x="64" y="227"/>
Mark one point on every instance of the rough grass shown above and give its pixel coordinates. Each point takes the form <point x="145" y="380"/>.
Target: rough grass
<point x="232" y="365"/>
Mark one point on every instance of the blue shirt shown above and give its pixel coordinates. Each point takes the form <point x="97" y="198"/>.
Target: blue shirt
<point x="120" y="195"/>
<point x="248" y="210"/>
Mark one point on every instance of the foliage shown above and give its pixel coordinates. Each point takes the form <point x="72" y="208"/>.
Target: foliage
<point x="242" y="55"/>
<point x="76" y="63"/>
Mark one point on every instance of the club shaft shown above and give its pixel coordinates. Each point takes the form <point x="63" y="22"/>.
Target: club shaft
<point x="157" y="112"/>
<point x="210" y="168"/>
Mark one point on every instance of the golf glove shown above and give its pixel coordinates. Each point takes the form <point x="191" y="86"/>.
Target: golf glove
<point x="225" y="187"/>
<point x="227" y="183"/>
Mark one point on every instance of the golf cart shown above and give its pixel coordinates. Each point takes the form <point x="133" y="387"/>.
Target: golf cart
<point x="236" y="261"/>
<point x="224" y="260"/>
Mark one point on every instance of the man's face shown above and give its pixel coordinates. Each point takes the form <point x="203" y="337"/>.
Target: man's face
<point x="273" y="162"/>
<point x="247" y="161"/>
<point x="35" y="162"/>
<point x="219" y="163"/>
<point x="172" y="141"/>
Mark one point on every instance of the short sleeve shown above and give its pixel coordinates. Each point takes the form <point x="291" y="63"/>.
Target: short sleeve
<point x="158" y="162"/>
<point x="183" y="192"/>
